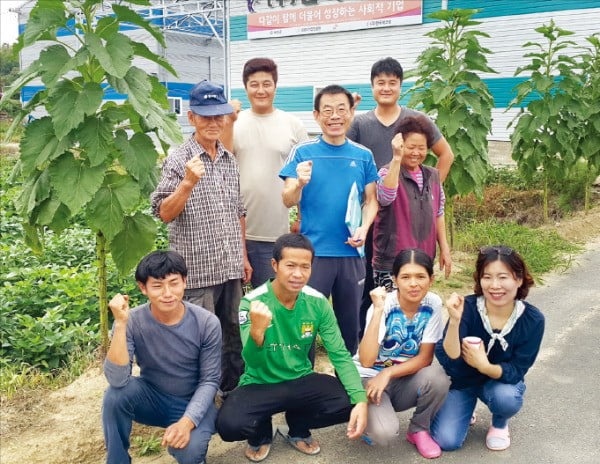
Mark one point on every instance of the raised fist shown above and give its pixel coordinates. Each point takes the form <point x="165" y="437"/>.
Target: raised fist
<point x="378" y="295"/>
<point x="194" y="169"/>
<point x="455" y="305"/>
<point x="237" y="107"/>
<point x="398" y="146"/>
<point x="304" y="172"/>
<point x="119" y="305"/>
<point x="260" y="315"/>
<point x="357" y="98"/>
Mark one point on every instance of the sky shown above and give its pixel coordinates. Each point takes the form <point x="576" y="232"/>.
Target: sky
<point x="9" y="22"/>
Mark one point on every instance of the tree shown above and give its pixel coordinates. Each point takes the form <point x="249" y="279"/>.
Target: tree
<point x="449" y="89"/>
<point x="588" y="96"/>
<point x="545" y="135"/>
<point x="89" y="156"/>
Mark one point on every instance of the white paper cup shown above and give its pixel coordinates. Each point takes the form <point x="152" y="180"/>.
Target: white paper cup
<point x="475" y="341"/>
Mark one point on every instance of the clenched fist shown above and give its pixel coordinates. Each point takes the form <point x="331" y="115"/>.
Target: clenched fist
<point x="455" y="305"/>
<point x="357" y="98"/>
<point x="194" y="169"/>
<point x="378" y="296"/>
<point x="398" y="147"/>
<point x="304" y="172"/>
<point x="260" y="316"/>
<point x="237" y="107"/>
<point x="119" y="305"/>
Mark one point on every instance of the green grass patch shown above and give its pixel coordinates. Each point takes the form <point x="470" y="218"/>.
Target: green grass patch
<point x="16" y="136"/>
<point x="23" y="378"/>
<point x="543" y="250"/>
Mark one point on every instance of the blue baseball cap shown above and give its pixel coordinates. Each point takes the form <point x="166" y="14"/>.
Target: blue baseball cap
<point x="208" y="99"/>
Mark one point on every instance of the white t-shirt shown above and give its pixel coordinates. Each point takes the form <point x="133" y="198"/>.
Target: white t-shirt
<point x="399" y="337"/>
<point x="262" y="143"/>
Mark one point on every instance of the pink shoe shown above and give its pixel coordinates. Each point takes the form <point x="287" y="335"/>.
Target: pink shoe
<point x="425" y="445"/>
<point x="497" y="439"/>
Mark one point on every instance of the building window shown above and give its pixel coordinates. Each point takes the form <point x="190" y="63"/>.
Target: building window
<point x="175" y="105"/>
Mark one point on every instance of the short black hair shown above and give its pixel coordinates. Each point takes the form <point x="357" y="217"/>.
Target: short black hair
<point x="292" y="241"/>
<point x="511" y="259"/>
<point x="419" y="124"/>
<point x="412" y="255"/>
<point x="387" y="66"/>
<point x="255" y="65"/>
<point x="333" y="89"/>
<point x="160" y="264"/>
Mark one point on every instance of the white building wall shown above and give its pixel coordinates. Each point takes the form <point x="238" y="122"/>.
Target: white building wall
<point x="194" y="57"/>
<point x="346" y="57"/>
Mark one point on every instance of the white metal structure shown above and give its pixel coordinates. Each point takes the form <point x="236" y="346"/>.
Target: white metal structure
<point x="195" y="33"/>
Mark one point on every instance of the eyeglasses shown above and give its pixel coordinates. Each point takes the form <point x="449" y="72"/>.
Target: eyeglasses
<point x="496" y="249"/>
<point x="328" y="111"/>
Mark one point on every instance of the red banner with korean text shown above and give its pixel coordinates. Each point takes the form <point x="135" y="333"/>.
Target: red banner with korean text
<point x="347" y="16"/>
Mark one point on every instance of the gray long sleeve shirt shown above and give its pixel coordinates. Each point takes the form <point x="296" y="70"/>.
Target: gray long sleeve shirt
<point x="182" y="360"/>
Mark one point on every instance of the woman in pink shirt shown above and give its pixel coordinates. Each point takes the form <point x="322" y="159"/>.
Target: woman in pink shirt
<point x="411" y="200"/>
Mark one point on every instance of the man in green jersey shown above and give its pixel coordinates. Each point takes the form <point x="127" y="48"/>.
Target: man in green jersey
<point x="278" y="324"/>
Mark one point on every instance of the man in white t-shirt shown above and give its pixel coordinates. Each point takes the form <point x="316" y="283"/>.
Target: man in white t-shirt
<point x="262" y="139"/>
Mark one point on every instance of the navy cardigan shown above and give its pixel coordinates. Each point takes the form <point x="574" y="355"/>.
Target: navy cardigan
<point x="523" y="346"/>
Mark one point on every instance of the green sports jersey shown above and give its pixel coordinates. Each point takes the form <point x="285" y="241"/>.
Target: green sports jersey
<point x="284" y="353"/>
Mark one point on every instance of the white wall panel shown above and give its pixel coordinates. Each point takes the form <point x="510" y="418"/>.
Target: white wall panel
<point x="346" y="57"/>
<point x="194" y="57"/>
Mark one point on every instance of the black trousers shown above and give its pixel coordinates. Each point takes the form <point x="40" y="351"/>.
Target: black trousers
<point x="310" y="402"/>
<point x="369" y="284"/>
<point x="223" y="300"/>
<point x="342" y="278"/>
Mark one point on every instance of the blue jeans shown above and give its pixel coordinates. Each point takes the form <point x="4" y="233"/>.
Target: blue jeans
<point x="259" y="255"/>
<point x="141" y="402"/>
<point x="451" y="424"/>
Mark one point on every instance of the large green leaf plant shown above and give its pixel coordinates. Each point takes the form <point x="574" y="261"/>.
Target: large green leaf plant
<point x="588" y="96"/>
<point x="449" y="88"/>
<point x="90" y="156"/>
<point x="546" y="131"/>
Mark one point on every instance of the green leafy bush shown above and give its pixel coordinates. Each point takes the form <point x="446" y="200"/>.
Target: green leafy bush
<point x="90" y="157"/>
<point x="449" y="88"/>
<point x="511" y="178"/>
<point x="571" y="189"/>
<point x="559" y="129"/>
<point x="45" y="341"/>
<point x="49" y="302"/>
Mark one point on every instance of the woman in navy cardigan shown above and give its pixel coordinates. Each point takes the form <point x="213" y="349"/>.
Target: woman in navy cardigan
<point x="511" y="332"/>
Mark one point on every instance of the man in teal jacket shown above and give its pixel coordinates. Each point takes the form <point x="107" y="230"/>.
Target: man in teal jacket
<point x="278" y="324"/>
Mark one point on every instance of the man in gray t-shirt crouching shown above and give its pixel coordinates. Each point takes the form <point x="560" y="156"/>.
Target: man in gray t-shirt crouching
<point x="177" y="346"/>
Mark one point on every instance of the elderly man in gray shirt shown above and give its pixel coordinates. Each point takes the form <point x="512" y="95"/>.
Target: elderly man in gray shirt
<point x="177" y="346"/>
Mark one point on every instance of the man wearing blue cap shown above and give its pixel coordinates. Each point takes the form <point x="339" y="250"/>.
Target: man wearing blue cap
<point x="198" y="196"/>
